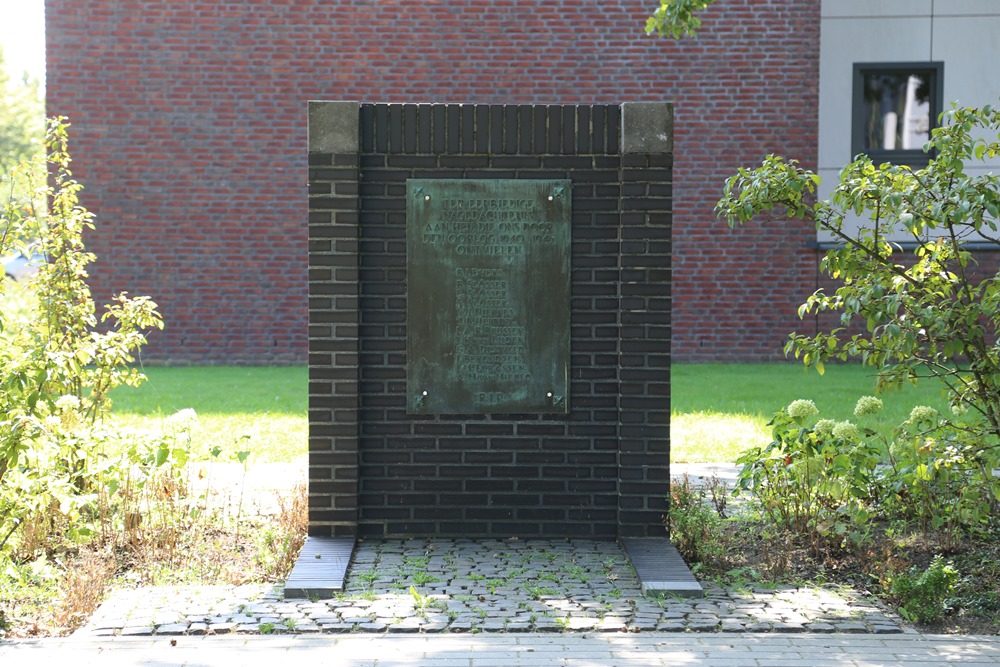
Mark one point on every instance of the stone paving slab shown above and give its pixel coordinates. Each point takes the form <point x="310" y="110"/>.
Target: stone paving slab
<point x="435" y="586"/>
<point x="321" y="567"/>
<point x="523" y="650"/>
<point x="660" y="567"/>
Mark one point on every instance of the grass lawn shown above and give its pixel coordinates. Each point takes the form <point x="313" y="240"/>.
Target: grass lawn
<point x="717" y="409"/>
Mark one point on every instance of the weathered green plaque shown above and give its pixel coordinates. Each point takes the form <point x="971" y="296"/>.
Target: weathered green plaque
<point x="488" y="296"/>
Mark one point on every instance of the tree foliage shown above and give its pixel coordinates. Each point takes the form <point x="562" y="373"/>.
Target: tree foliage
<point x="56" y="367"/>
<point x="22" y="120"/>
<point x="677" y="18"/>
<point x="929" y="311"/>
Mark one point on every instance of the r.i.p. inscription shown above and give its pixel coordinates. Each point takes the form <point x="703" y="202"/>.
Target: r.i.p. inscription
<point x="487" y="296"/>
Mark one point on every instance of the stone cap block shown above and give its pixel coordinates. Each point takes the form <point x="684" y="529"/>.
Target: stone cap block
<point x="647" y="127"/>
<point x="333" y="127"/>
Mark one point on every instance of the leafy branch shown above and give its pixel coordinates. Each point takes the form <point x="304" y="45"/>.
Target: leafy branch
<point x="677" y="18"/>
<point x="929" y="312"/>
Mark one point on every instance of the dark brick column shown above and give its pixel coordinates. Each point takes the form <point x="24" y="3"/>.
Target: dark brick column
<point x="644" y="438"/>
<point x="334" y="278"/>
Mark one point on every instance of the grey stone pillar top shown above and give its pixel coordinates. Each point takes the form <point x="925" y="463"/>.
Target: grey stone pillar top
<point x="647" y="127"/>
<point x="333" y="127"/>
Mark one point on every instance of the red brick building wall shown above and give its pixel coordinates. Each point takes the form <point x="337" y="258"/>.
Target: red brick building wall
<point x="189" y="134"/>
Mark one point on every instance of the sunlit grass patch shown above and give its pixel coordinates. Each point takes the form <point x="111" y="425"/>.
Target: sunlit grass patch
<point x="714" y="437"/>
<point x="279" y="390"/>
<point x="271" y="438"/>
<point x="719" y="410"/>
<point x="256" y="409"/>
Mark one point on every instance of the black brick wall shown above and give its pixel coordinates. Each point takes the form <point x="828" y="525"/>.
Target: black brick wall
<point x="600" y="471"/>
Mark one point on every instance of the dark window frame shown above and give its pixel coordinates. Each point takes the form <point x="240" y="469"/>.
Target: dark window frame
<point x="911" y="157"/>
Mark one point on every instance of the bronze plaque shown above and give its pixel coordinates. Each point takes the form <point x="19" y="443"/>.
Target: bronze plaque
<point x="488" y="296"/>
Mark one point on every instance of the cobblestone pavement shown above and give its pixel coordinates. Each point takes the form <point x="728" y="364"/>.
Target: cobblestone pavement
<point x="513" y="586"/>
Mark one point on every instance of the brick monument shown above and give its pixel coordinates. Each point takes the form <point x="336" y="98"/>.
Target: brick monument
<point x="389" y="455"/>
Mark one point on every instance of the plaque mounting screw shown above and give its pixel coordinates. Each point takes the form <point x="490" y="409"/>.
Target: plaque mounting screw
<point x="421" y="400"/>
<point x="427" y="197"/>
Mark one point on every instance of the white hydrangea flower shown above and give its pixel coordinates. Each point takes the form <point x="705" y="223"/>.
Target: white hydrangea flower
<point x="923" y="413"/>
<point x="867" y="405"/>
<point x="802" y="409"/>
<point x="846" y="431"/>
<point x="824" y="427"/>
<point x="67" y="402"/>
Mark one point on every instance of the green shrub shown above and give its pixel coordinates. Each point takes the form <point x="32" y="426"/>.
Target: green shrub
<point x="932" y="480"/>
<point x="695" y="526"/>
<point x="817" y="477"/>
<point x="825" y="479"/>
<point x="923" y="596"/>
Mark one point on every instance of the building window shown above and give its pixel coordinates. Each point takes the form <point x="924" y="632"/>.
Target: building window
<point x="895" y="107"/>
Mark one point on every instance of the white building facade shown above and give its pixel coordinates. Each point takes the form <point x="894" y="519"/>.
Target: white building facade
<point x="889" y="67"/>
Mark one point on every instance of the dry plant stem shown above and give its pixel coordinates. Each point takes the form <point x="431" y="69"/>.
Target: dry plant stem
<point x="84" y="588"/>
<point x="719" y="494"/>
<point x="293" y="519"/>
<point x="239" y="503"/>
<point x="159" y="528"/>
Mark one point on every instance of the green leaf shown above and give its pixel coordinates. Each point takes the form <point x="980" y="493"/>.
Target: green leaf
<point x="162" y="454"/>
